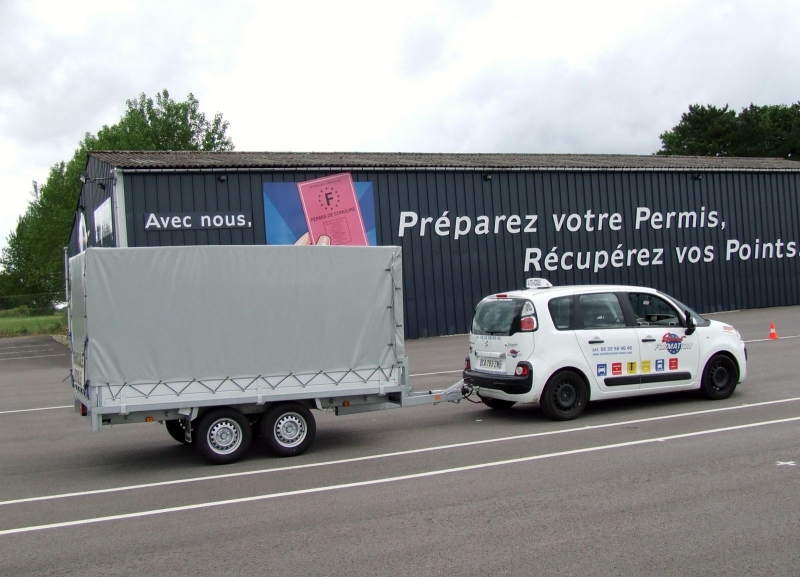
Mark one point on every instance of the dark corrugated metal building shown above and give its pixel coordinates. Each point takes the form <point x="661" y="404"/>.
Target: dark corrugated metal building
<point x="717" y="233"/>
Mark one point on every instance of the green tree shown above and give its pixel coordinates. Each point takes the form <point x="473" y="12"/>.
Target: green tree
<point x="162" y="125"/>
<point x="760" y="131"/>
<point x="32" y="262"/>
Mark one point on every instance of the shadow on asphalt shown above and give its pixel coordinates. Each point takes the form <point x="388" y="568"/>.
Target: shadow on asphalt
<point x="618" y="408"/>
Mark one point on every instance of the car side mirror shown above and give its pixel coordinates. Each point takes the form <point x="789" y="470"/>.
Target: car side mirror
<point x="690" y="324"/>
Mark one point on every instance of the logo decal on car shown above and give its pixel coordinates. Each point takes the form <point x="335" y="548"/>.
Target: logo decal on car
<point x="673" y="343"/>
<point x="602" y="370"/>
<point x="660" y="365"/>
<point x="616" y="368"/>
<point x="513" y="353"/>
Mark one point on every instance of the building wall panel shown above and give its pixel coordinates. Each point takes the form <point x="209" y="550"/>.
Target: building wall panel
<point x="446" y="276"/>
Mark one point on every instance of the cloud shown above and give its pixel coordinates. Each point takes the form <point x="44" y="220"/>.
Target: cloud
<point x="447" y="76"/>
<point x="68" y="69"/>
<point x="612" y="96"/>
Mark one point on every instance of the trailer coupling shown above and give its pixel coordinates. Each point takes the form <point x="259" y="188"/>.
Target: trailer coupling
<point x="452" y="394"/>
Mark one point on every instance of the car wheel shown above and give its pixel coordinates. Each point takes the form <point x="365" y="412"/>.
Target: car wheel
<point x="565" y="396"/>
<point x="288" y="429"/>
<point x="498" y="404"/>
<point x="719" y="378"/>
<point x="176" y="430"/>
<point x="223" y="436"/>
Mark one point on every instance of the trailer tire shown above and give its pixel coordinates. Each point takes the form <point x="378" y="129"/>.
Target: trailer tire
<point x="176" y="430"/>
<point x="288" y="429"/>
<point x="223" y="436"/>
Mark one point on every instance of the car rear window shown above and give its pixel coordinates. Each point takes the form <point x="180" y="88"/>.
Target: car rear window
<point x="496" y="317"/>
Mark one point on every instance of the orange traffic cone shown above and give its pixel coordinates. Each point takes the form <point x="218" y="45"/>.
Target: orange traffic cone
<point x="773" y="334"/>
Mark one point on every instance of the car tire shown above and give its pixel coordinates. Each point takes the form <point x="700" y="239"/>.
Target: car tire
<point x="497" y="404"/>
<point x="288" y="429"/>
<point x="565" y="396"/>
<point x="223" y="436"/>
<point x="719" y="378"/>
<point x="176" y="430"/>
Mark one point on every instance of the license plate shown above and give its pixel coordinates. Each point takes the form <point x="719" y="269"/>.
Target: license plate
<point x="490" y="363"/>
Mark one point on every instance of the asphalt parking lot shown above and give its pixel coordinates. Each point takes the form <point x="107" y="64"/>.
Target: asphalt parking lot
<point x="665" y="485"/>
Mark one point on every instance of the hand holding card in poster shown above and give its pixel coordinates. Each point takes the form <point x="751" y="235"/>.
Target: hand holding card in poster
<point x="331" y="209"/>
<point x="305" y="240"/>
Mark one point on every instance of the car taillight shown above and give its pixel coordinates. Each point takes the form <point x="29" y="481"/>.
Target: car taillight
<point x="527" y="324"/>
<point x="521" y="371"/>
<point x="467" y="365"/>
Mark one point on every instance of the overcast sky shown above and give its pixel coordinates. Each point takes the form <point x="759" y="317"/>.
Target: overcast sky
<point x="430" y="76"/>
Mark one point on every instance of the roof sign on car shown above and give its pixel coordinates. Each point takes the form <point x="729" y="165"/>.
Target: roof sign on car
<point x="538" y="283"/>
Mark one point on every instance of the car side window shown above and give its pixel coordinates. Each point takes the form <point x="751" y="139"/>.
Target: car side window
<point x="561" y="312"/>
<point x="652" y="310"/>
<point x="601" y="311"/>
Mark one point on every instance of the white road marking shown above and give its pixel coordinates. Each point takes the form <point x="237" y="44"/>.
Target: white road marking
<point x="26" y="352"/>
<point x="20" y="347"/>
<point x="785" y="463"/>
<point x="778" y="339"/>
<point x="386" y="455"/>
<point x="437" y="373"/>
<point x="386" y="480"/>
<point x="37" y="409"/>
<point x="412" y="376"/>
<point x="34" y="357"/>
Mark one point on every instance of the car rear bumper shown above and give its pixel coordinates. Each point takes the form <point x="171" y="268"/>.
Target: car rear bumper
<point x="508" y="384"/>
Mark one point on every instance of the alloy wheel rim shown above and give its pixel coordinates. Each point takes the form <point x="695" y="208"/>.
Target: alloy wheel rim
<point x="290" y="430"/>
<point x="224" y="436"/>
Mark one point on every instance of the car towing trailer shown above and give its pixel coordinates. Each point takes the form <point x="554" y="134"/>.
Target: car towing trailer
<point x="221" y="342"/>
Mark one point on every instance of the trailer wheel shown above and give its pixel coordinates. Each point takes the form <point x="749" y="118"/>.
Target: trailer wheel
<point x="288" y="429"/>
<point x="223" y="436"/>
<point x="176" y="430"/>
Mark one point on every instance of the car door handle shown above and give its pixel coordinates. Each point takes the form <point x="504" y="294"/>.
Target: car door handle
<point x="596" y="341"/>
<point x="649" y="340"/>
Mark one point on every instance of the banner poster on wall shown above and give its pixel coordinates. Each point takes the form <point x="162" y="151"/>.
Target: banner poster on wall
<point x="83" y="233"/>
<point x="103" y="225"/>
<point x="332" y="210"/>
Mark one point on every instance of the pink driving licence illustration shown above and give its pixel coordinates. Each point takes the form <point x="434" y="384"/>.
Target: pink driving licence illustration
<point x="331" y="209"/>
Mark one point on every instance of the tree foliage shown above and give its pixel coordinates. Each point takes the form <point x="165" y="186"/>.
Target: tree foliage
<point x="760" y="131"/>
<point x="162" y="125"/>
<point x="33" y="260"/>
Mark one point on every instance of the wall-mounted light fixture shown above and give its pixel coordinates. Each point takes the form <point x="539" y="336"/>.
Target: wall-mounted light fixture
<point x="487" y="177"/>
<point x="98" y="180"/>
<point x="222" y="177"/>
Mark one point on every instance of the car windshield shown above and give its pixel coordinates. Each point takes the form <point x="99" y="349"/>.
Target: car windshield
<point x="495" y="317"/>
<point x="697" y="318"/>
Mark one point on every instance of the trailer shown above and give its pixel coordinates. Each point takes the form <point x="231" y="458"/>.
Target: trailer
<point x="225" y="343"/>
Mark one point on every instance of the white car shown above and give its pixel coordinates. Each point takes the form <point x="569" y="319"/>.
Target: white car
<point x="561" y="347"/>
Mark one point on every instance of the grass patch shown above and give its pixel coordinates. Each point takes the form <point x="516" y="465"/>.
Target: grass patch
<point x="33" y="325"/>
